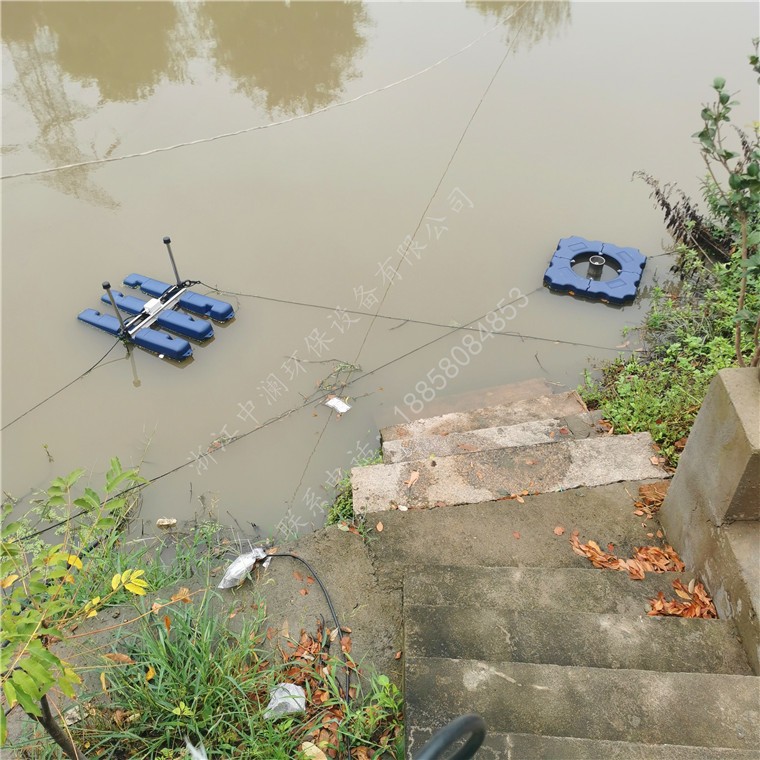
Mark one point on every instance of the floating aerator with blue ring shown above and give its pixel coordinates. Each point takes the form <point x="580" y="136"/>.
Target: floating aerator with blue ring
<point x="628" y="262"/>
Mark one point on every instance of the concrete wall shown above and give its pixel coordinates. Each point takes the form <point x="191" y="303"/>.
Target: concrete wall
<point x="711" y="514"/>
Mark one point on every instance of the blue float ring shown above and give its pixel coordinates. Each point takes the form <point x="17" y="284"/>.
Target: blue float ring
<point x="560" y="276"/>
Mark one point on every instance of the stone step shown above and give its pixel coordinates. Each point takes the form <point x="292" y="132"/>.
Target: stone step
<point x="512" y="534"/>
<point x="691" y="709"/>
<point x="523" y="434"/>
<point x="501" y="746"/>
<point x="513" y="413"/>
<point x="490" y="475"/>
<point x="585" y="639"/>
<point x="553" y="590"/>
<point x="495" y="395"/>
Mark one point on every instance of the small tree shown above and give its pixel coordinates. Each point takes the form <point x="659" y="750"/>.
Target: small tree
<point x="737" y="201"/>
<point x="43" y="594"/>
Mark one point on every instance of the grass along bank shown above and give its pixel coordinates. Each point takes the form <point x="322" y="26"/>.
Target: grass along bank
<point x="95" y="623"/>
<point x="707" y="317"/>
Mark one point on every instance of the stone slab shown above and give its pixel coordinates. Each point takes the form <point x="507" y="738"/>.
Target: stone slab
<point x="484" y="534"/>
<point x="489" y="475"/>
<point x="501" y="746"/>
<point x="495" y="395"/>
<point x="521" y="410"/>
<point x="569" y="637"/>
<point x="548" y="589"/>
<point x="692" y="709"/>
<point x="484" y="439"/>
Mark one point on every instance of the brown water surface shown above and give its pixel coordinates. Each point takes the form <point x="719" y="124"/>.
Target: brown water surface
<point x="317" y="210"/>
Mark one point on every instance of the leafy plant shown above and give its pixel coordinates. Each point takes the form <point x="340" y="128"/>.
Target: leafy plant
<point x="42" y="602"/>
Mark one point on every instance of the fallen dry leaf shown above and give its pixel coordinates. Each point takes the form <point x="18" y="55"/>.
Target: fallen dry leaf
<point x="413" y="478"/>
<point x="312" y="752"/>
<point x="182" y="595"/>
<point x="697" y="602"/>
<point x="646" y="559"/>
<point x="397" y="656"/>
<point x="297" y="576"/>
<point x="559" y="530"/>
<point x="379" y="527"/>
<point x="516" y="534"/>
<point x="120" y="659"/>
<point x="167" y="623"/>
<point x="302" y="591"/>
<point x="150" y="674"/>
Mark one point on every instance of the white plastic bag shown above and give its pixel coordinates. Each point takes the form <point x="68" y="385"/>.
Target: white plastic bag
<point x="285" y="698"/>
<point x="241" y="566"/>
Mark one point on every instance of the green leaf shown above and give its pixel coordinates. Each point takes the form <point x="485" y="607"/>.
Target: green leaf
<point x="724" y="97"/>
<point x="719" y="83"/>
<point x="26" y="684"/>
<point x="10" y="694"/>
<point x="73" y="477"/>
<point x="3" y="728"/>
<point x="37" y="671"/>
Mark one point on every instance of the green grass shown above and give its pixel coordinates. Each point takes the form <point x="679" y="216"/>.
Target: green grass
<point x="688" y="337"/>
<point x="210" y="679"/>
<point x="342" y="508"/>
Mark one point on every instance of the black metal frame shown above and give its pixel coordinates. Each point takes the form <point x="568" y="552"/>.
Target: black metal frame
<point x="456" y="730"/>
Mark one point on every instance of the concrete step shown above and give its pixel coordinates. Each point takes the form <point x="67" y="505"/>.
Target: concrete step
<point x="585" y="639"/>
<point x="484" y="534"/>
<point x="523" y="434"/>
<point x="552" y="590"/>
<point x="490" y="475"/>
<point x="495" y="395"/>
<point x="521" y="410"/>
<point x="691" y="709"/>
<point x="501" y="746"/>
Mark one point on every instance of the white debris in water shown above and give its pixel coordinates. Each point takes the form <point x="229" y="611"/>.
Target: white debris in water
<point x="341" y="407"/>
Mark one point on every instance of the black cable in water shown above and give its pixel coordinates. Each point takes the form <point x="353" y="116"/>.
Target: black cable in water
<point x="63" y="388"/>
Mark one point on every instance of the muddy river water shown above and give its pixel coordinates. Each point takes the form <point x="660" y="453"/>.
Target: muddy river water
<point x="416" y="160"/>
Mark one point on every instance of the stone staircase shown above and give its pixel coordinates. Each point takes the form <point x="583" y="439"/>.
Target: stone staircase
<point x="503" y="619"/>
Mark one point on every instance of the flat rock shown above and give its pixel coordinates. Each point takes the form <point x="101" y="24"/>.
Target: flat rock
<point x="489" y="475"/>
<point x="692" y="709"/>
<point x="513" y="413"/>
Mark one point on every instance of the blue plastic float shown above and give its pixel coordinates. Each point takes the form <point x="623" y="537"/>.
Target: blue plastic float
<point x="629" y="263"/>
<point x="162" y="310"/>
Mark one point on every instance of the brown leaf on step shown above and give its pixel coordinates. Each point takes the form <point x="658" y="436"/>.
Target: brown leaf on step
<point x="654" y="460"/>
<point x="680" y="444"/>
<point x="379" y="527"/>
<point x="530" y="461"/>
<point x="697" y="602"/>
<point x="119" y="658"/>
<point x="660" y="534"/>
<point x="297" y="576"/>
<point x="516" y="534"/>
<point x="519" y="498"/>
<point x="639" y="512"/>
<point x="302" y="591"/>
<point x="564" y="431"/>
<point x="479" y="475"/>
<point x="610" y="547"/>
<point x="345" y="644"/>
<point x="559" y="530"/>
<point x="467" y="447"/>
<point x="413" y="478"/>
<point x="652" y="495"/>
<point x="650" y="535"/>
<point x="397" y="656"/>
<point x="552" y="434"/>
<point x="309" y="579"/>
